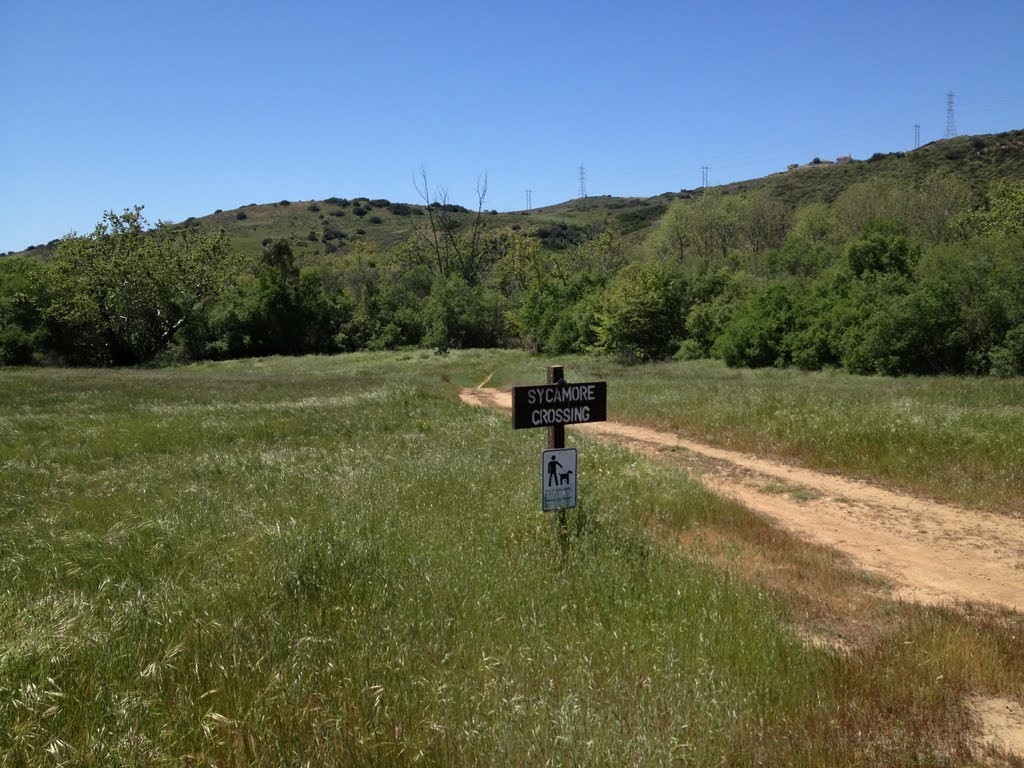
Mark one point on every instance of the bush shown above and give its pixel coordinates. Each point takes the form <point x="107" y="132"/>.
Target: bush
<point x="400" y="209"/>
<point x="760" y="333"/>
<point x="461" y="316"/>
<point x="375" y="220"/>
<point x="360" y="211"/>
<point x="332" y="233"/>
<point x="241" y="215"/>
<point x="313" y="207"/>
<point x="639" y="217"/>
<point x="877" y="252"/>
<point x="642" y="314"/>
<point x="1008" y="358"/>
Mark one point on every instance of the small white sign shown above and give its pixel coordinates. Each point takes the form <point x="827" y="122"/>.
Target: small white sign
<point x="558" y="479"/>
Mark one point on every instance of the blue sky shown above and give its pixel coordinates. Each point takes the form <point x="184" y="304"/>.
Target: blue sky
<point x="187" y="107"/>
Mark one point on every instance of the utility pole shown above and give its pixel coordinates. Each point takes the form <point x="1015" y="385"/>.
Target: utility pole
<point x="529" y="199"/>
<point x="917" y="135"/>
<point x="583" y="181"/>
<point x="704" y="175"/>
<point x="950" y="116"/>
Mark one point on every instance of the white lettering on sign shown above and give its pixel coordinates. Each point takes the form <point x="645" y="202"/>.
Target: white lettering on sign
<point x="549" y="416"/>
<point x="554" y="395"/>
<point x="557" y="405"/>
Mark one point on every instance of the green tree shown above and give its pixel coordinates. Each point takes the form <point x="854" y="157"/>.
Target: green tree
<point x="557" y="291"/>
<point x="761" y="331"/>
<point x="700" y="233"/>
<point x="22" y="301"/>
<point x="935" y="204"/>
<point x="643" y="312"/>
<point x="1002" y="212"/>
<point x="122" y="293"/>
<point x="814" y="223"/>
<point x="765" y="220"/>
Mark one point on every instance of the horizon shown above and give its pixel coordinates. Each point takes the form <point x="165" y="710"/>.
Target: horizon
<point x="352" y="102"/>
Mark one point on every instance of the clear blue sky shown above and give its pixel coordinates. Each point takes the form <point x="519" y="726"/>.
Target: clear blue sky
<point x="190" y="106"/>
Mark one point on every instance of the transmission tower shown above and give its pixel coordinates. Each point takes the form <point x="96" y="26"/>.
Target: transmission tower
<point x="583" y="181"/>
<point x="950" y="116"/>
<point x="529" y="199"/>
<point x="917" y="135"/>
<point x="704" y="175"/>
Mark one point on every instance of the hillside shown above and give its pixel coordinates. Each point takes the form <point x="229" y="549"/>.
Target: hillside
<point x="320" y="227"/>
<point x="979" y="159"/>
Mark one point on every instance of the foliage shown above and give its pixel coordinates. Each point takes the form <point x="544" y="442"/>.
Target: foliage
<point x="560" y="293"/>
<point x="280" y="310"/>
<point x="1001" y="213"/>
<point x="120" y="294"/>
<point x="22" y="301"/>
<point x="760" y="332"/>
<point x="642" y="312"/>
<point x="461" y="316"/>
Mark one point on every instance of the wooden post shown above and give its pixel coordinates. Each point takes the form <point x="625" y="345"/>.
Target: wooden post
<point x="556" y="434"/>
<point x="556" y="440"/>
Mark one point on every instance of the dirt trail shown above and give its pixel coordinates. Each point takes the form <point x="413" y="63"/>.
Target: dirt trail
<point x="932" y="553"/>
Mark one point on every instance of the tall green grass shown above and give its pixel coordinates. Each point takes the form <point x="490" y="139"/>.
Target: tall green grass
<point x="332" y="561"/>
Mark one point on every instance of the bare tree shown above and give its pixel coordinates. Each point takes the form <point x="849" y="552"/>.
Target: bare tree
<point x="455" y="240"/>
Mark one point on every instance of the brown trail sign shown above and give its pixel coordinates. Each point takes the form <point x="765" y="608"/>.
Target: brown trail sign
<point x="559" y="403"/>
<point x="553" y="405"/>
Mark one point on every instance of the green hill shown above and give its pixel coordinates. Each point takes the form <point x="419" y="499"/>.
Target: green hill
<point x="320" y="227"/>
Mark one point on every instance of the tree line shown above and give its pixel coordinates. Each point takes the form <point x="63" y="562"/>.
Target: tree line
<point x="888" y="278"/>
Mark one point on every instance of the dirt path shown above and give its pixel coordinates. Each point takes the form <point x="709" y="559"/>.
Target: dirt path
<point x="932" y="553"/>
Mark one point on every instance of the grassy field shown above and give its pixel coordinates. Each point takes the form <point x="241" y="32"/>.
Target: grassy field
<point x="332" y="561"/>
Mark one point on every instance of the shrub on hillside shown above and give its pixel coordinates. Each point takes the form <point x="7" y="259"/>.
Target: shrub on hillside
<point x="333" y="233"/>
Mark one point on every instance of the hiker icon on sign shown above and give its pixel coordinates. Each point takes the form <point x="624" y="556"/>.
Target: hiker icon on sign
<point x="558" y="479"/>
<point x="553" y="467"/>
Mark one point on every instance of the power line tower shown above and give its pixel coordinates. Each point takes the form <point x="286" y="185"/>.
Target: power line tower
<point x="704" y="175"/>
<point x="917" y="135"/>
<point x="583" y="181"/>
<point x="950" y="116"/>
<point x="529" y="199"/>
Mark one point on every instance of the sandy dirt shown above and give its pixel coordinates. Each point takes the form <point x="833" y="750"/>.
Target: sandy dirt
<point x="1002" y="724"/>
<point x="931" y="553"/>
